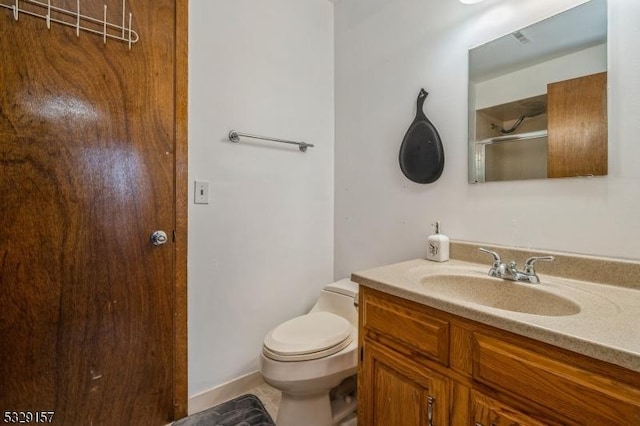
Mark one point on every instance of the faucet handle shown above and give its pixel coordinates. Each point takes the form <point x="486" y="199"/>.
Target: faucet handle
<point x="498" y="268"/>
<point x="496" y="256"/>
<point x="529" y="264"/>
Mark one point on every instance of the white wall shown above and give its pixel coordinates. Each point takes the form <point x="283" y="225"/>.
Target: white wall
<point x="385" y="51"/>
<point x="532" y="81"/>
<point x="262" y="249"/>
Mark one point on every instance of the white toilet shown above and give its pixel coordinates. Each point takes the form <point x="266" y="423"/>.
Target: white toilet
<point x="312" y="359"/>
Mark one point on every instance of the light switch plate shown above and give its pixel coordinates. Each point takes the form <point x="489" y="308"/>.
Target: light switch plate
<point x="201" y="192"/>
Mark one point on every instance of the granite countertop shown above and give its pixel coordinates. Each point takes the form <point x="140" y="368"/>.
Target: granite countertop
<point x="605" y="328"/>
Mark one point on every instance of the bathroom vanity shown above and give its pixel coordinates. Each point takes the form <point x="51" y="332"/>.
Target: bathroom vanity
<point x="443" y="344"/>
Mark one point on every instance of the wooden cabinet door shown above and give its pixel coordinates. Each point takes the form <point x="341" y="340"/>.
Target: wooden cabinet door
<point x="488" y="412"/>
<point x="395" y="391"/>
<point x="577" y="124"/>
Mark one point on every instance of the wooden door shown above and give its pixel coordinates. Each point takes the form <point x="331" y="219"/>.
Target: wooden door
<point x="577" y="124"/>
<point x="87" y="172"/>
<point x="399" y="392"/>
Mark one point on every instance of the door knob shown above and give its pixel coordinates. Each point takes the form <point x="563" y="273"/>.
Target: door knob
<point x="158" y="238"/>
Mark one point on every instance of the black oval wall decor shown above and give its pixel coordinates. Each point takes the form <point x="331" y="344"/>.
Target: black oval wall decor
<point x="421" y="154"/>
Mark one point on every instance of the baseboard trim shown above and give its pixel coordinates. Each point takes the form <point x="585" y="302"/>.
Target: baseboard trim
<point x="224" y="392"/>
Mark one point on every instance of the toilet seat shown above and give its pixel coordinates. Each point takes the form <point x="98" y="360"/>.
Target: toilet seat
<point x="312" y="336"/>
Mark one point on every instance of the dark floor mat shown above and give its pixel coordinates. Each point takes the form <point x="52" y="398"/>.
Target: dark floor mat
<point x="245" y="410"/>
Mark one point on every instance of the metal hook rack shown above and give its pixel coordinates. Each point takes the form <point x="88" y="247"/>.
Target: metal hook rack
<point x="123" y="32"/>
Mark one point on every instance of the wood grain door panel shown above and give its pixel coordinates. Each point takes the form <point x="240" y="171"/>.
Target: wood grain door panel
<point x="578" y="394"/>
<point x="577" y="124"/>
<point x="488" y="412"/>
<point x="397" y="391"/>
<point x="87" y="136"/>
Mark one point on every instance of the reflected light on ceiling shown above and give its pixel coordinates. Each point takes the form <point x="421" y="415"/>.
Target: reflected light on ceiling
<point x="470" y="1"/>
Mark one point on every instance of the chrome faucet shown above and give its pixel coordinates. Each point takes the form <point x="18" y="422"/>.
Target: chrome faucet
<point x="509" y="271"/>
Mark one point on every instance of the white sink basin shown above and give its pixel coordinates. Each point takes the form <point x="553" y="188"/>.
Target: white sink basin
<point x="499" y="294"/>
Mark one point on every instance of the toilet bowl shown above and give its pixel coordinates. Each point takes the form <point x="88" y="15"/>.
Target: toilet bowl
<point x="311" y="359"/>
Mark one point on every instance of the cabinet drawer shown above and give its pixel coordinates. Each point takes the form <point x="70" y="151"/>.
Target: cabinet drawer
<point x="423" y="333"/>
<point x="575" y="394"/>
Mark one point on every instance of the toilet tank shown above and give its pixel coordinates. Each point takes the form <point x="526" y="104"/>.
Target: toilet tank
<point x="339" y="298"/>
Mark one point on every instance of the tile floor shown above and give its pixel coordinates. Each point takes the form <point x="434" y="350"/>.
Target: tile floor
<point x="270" y="398"/>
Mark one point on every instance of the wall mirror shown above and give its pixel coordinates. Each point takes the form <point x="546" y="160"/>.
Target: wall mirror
<point x="538" y="99"/>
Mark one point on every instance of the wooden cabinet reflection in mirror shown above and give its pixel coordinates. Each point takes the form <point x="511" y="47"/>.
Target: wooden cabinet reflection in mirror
<point x="577" y="126"/>
<point x="562" y="133"/>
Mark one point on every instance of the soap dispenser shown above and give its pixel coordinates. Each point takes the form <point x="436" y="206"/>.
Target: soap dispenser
<point x="437" y="246"/>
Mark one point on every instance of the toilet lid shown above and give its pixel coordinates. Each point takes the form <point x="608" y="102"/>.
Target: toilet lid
<point x="316" y="332"/>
